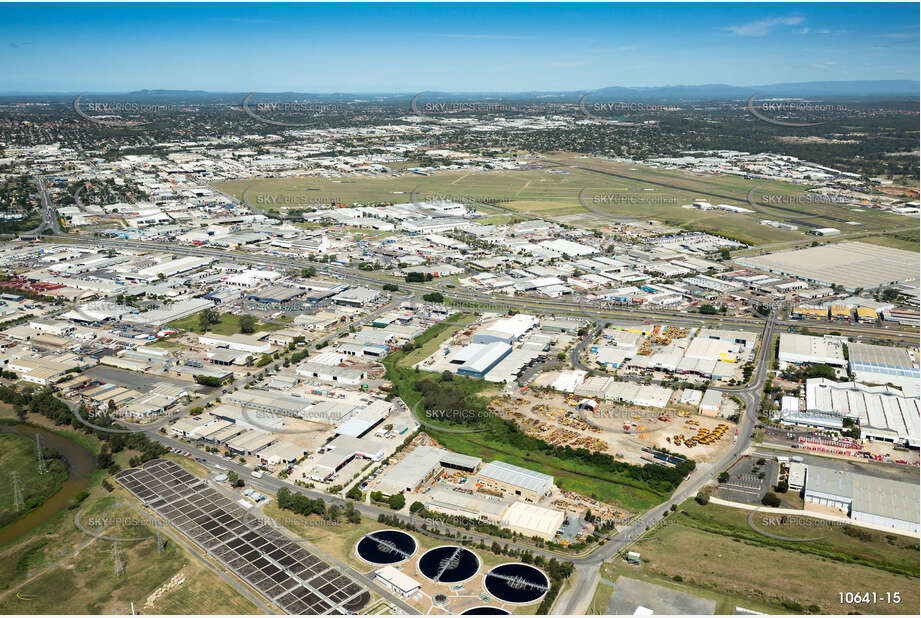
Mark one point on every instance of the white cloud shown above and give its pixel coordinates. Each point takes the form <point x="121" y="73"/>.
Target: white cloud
<point x="573" y="64"/>
<point x="900" y="35"/>
<point x="449" y="35"/>
<point x="762" y="27"/>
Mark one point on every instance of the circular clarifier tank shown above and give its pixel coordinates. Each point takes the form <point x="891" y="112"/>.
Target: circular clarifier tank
<point x="386" y="547"/>
<point x="485" y="610"/>
<point x="449" y="564"/>
<point x="516" y="582"/>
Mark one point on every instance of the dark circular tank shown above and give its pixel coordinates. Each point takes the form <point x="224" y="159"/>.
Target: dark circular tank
<point x="485" y="610"/>
<point x="449" y="564"/>
<point x="386" y="547"/>
<point x="516" y="582"/>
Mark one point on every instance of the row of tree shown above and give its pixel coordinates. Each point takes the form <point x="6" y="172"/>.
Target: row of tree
<point x="45" y="403"/>
<point x="302" y="505"/>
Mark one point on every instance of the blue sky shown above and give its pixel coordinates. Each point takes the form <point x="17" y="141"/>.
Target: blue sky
<point x="452" y="47"/>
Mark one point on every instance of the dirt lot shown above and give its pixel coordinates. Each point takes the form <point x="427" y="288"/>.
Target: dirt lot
<point x="554" y="417"/>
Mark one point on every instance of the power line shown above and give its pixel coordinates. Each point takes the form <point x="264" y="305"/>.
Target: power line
<point x="117" y="560"/>
<point x="41" y="456"/>
<point x="18" y="503"/>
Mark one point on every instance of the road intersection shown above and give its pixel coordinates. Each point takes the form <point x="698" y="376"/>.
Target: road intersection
<point x="577" y="597"/>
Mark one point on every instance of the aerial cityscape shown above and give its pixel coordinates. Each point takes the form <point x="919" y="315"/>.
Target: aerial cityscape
<point x="447" y="309"/>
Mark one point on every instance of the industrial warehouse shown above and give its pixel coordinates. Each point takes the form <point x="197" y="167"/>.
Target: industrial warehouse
<point x="462" y="486"/>
<point x="799" y="349"/>
<point x="868" y="499"/>
<point x="882" y="413"/>
<point x="851" y="265"/>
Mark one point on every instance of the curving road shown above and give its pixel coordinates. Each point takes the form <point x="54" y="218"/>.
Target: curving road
<point x="579" y="594"/>
<point x="576" y="599"/>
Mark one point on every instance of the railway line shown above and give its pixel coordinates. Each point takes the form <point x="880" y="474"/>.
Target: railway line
<point x="576" y="597"/>
<point x="480" y="300"/>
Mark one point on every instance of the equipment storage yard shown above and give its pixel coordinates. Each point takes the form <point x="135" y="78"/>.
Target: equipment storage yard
<point x="660" y="351"/>
<point x="558" y="419"/>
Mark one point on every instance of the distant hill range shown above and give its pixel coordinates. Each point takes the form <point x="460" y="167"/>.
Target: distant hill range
<point x="877" y="88"/>
<point x="867" y="89"/>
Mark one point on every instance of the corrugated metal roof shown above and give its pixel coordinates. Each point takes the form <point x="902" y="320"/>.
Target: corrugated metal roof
<point x="519" y="477"/>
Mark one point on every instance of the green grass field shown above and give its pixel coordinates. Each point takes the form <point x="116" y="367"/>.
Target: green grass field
<point x="432" y="338"/>
<point x="229" y="325"/>
<point x="600" y="599"/>
<point x="638" y="193"/>
<point x="85" y="583"/>
<point x="711" y="551"/>
<point x="909" y="240"/>
<point x="17" y="454"/>
<point x="57" y="569"/>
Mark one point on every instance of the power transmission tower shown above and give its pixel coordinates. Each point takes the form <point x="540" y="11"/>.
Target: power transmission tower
<point x="18" y="504"/>
<point x="41" y="457"/>
<point x="117" y="559"/>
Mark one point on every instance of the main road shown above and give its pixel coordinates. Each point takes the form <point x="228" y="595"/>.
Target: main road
<point x="576" y="598"/>
<point x="483" y="301"/>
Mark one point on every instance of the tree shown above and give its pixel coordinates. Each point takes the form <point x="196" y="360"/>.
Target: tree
<point x="890" y="294"/>
<point x="390" y="287"/>
<point x="397" y="502"/>
<point x="702" y="498"/>
<point x="352" y="514"/>
<point x="416" y="506"/>
<point x="104" y="459"/>
<point x="770" y="499"/>
<point x="723" y="477"/>
<point x="310" y="271"/>
<point x="853" y="432"/>
<point x="354" y="493"/>
<point x="820" y="370"/>
<point x="434" y="297"/>
<point x="247" y="324"/>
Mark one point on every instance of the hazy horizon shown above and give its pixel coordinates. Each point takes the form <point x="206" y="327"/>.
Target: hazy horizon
<point x="379" y="48"/>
